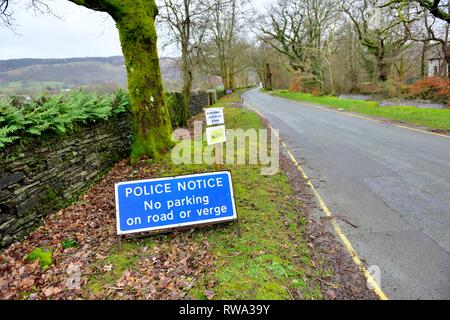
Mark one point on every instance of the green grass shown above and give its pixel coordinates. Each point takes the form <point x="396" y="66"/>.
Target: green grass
<point x="432" y="118"/>
<point x="229" y="99"/>
<point x="69" y="243"/>
<point x="271" y="260"/>
<point x="118" y="262"/>
<point x="271" y="257"/>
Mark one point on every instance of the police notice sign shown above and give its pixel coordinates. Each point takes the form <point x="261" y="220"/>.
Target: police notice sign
<point x="166" y="203"/>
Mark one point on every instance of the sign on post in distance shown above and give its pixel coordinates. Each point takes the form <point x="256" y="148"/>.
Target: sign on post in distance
<point x="214" y="116"/>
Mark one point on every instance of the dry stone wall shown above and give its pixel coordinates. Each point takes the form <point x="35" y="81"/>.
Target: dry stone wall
<point x="40" y="178"/>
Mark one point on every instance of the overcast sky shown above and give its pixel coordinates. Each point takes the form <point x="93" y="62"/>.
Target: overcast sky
<point x="79" y="32"/>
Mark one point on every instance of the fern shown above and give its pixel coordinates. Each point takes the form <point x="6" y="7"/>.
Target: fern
<point x="56" y="114"/>
<point x="6" y="135"/>
<point x="121" y="102"/>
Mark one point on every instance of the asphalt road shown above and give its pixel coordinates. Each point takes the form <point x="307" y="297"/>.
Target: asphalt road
<point x="391" y="183"/>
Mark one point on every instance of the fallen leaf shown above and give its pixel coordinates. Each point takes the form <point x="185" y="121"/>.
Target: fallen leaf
<point x="26" y="283"/>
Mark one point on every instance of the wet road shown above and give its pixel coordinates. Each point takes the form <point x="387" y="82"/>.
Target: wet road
<point x="391" y="183"/>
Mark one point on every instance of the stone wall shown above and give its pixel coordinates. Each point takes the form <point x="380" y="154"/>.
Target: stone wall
<point x="41" y="178"/>
<point x="197" y="101"/>
<point x="38" y="179"/>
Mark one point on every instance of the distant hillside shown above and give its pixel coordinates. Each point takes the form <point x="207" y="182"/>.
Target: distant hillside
<point x="6" y="65"/>
<point x="24" y="76"/>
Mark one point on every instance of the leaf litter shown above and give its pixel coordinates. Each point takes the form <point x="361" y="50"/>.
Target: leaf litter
<point x="165" y="271"/>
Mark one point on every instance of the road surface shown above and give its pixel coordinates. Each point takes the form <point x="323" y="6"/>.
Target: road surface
<point x="391" y="183"/>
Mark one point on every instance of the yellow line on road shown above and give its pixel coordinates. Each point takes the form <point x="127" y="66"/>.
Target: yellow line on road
<point x="370" y="280"/>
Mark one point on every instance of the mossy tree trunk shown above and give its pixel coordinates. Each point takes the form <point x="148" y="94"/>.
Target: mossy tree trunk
<point x="423" y="59"/>
<point x="135" y="21"/>
<point x="151" y="123"/>
<point x="382" y="65"/>
<point x="226" y="73"/>
<point x="383" y="70"/>
<point x="268" y="78"/>
<point x="229" y="79"/>
<point x="187" y="86"/>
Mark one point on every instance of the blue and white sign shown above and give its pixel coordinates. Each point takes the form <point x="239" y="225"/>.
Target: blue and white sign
<point x="166" y="203"/>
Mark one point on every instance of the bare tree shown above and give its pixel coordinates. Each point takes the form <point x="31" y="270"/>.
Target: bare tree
<point x="440" y="9"/>
<point x="186" y="22"/>
<point x="260" y="61"/>
<point x="406" y="61"/>
<point x="224" y="48"/>
<point x="283" y="30"/>
<point x="135" y="21"/>
<point x="439" y="33"/>
<point x="431" y="27"/>
<point x="347" y="58"/>
<point x="297" y="29"/>
<point x="379" y="31"/>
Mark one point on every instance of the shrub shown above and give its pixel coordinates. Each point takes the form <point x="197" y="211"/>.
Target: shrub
<point x="220" y="94"/>
<point x="392" y="89"/>
<point x="69" y="243"/>
<point x="296" y="84"/>
<point x="370" y="89"/>
<point x="315" y="92"/>
<point x="432" y="88"/>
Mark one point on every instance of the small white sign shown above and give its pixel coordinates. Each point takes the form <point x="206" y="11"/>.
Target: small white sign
<point x="214" y="116"/>
<point x="215" y="135"/>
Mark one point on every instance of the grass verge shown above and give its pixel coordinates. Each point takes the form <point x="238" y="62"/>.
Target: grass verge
<point x="432" y="118"/>
<point x="271" y="260"/>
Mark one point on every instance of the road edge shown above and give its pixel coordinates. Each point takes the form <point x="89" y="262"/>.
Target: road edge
<point x="348" y="246"/>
